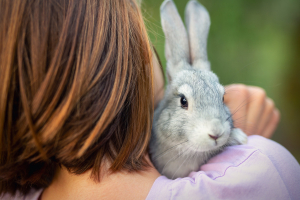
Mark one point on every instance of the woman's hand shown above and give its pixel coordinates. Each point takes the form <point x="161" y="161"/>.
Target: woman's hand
<point x="252" y="110"/>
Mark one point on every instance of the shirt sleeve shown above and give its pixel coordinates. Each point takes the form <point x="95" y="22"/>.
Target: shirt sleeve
<point x="262" y="169"/>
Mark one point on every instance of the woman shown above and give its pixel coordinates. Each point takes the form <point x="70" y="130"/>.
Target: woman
<point x="76" y="106"/>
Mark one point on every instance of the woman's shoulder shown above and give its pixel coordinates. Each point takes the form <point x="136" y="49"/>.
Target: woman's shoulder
<point x="261" y="169"/>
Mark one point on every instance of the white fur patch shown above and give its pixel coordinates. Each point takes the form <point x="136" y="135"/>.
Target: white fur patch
<point x="200" y="131"/>
<point x="186" y="90"/>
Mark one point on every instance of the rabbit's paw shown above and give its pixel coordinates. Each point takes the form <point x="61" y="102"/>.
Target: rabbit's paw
<point x="239" y="136"/>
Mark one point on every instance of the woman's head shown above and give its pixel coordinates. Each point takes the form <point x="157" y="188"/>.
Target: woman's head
<point x="76" y="88"/>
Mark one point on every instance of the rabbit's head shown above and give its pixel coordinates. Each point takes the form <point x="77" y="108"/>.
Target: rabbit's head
<point x="193" y="112"/>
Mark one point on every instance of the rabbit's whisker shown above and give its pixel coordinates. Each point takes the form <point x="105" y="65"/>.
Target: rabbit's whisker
<point x="242" y="104"/>
<point x="239" y="107"/>
<point x="175" y="158"/>
<point x="161" y="154"/>
<point x="181" y="165"/>
<point x="239" y="119"/>
<point x="235" y="121"/>
<point x="169" y="136"/>
<point x="163" y="123"/>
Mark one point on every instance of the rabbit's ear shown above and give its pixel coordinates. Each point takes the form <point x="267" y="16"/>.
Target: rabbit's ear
<point x="198" y="22"/>
<point x="177" y="45"/>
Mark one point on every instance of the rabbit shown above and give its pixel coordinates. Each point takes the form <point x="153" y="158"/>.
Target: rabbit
<point x="191" y="123"/>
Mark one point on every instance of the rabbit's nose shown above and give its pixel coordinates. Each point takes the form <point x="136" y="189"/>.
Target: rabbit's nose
<point x="215" y="137"/>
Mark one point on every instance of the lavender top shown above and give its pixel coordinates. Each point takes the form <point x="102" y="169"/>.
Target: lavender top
<point x="262" y="169"/>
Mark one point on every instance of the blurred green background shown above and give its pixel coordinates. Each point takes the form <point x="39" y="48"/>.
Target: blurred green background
<point x="253" y="42"/>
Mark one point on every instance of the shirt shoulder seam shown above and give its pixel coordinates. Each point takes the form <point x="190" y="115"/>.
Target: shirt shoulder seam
<point x="233" y="166"/>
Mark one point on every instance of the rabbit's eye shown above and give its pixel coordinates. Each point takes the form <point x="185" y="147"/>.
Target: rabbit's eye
<point x="184" y="103"/>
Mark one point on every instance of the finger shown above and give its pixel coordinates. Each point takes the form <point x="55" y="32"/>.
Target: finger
<point x="272" y="125"/>
<point x="266" y="116"/>
<point x="256" y="105"/>
<point x="236" y="98"/>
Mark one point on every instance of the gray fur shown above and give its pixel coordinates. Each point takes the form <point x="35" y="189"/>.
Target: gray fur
<point x="180" y="142"/>
<point x="174" y="29"/>
<point x="198" y="22"/>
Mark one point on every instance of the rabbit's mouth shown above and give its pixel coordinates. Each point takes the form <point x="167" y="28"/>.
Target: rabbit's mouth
<point x="208" y="135"/>
<point x="215" y="137"/>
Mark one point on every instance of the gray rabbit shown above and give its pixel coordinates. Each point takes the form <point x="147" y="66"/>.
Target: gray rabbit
<point x="191" y="123"/>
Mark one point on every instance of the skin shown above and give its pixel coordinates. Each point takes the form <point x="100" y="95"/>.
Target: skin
<point x="255" y="113"/>
<point x="158" y="82"/>
<point x="120" y="185"/>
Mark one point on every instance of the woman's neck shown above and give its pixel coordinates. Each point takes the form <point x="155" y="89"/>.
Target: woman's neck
<point x="119" y="185"/>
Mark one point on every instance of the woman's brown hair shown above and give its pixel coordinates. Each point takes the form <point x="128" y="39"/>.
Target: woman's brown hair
<point x="76" y="88"/>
